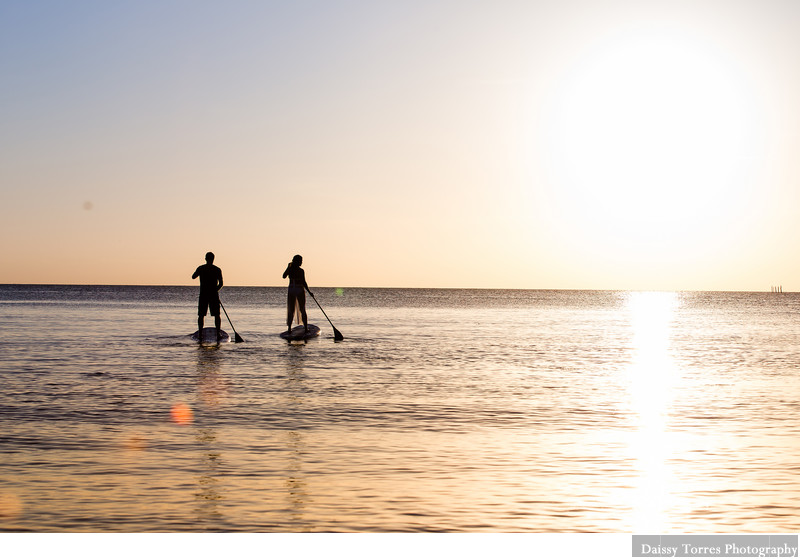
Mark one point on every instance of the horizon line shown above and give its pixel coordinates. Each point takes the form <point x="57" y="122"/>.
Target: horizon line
<point x="430" y="288"/>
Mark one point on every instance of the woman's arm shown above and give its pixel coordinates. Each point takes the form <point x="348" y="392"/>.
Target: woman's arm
<point x="303" y="278"/>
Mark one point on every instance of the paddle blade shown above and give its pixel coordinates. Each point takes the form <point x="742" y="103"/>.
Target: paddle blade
<point x="237" y="338"/>
<point x="337" y="335"/>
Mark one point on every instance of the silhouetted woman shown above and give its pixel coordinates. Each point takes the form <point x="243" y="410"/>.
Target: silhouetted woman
<point x="296" y="303"/>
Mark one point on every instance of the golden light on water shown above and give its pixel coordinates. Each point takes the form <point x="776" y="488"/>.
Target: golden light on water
<point x="212" y="386"/>
<point x="652" y="380"/>
<point x="10" y="506"/>
<point x="135" y="442"/>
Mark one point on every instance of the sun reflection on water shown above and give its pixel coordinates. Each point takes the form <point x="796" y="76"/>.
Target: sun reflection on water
<point x="652" y="381"/>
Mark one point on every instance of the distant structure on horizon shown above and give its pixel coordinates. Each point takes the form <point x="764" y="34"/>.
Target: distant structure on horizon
<point x="777" y="289"/>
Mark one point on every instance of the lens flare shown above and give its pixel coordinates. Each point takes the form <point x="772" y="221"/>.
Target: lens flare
<point x="182" y="414"/>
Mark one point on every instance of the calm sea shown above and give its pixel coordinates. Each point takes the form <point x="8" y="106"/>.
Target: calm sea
<point x="442" y="410"/>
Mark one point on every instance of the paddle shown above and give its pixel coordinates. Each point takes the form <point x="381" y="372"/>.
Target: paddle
<point x="236" y="337"/>
<point x="336" y="334"/>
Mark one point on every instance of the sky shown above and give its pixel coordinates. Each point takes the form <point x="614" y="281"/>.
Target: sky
<point x="648" y="145"/>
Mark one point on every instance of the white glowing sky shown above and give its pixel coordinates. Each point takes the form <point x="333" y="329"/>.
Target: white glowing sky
<point x="437" y="144"/>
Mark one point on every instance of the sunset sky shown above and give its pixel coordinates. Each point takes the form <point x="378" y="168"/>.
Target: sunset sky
<point x="509" y="144"/>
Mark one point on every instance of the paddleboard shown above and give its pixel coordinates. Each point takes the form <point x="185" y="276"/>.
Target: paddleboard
<point x="298" y="333"/>
<point x="210" y="336"/>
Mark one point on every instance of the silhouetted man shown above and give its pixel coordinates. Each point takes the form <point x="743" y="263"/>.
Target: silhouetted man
<point x="210" y="284"/>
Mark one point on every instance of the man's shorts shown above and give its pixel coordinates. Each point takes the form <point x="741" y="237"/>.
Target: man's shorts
<point x="208" y="302"/>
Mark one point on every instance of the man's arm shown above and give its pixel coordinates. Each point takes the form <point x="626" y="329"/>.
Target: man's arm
<point x="219" y="283"/>
<point x="196" y="273"/>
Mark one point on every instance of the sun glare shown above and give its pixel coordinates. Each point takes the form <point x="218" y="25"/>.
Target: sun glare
<point x="651" y="141"/>
<point x="652" y="380"/>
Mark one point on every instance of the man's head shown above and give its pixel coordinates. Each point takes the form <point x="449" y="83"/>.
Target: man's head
<point x="209" y="257"/>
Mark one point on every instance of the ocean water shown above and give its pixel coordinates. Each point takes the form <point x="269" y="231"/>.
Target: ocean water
<point x="442" y="410"/>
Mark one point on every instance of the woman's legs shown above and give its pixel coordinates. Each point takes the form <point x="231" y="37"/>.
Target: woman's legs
<point x="292" y="301"/>
<point x="301" y="300"/>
